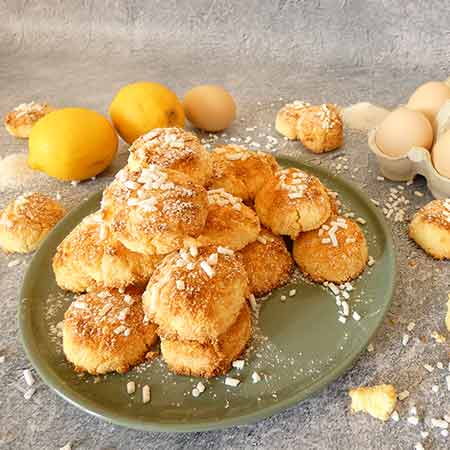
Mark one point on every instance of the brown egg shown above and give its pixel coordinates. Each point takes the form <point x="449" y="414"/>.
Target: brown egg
<point x="209" y="107"/>
<point x="429" y="98"/>
<point x="402" y="129"/>
<point x="441" y="155"/>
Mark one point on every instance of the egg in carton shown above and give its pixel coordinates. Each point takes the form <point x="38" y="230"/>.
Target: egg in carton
<point x="418" y="161"/>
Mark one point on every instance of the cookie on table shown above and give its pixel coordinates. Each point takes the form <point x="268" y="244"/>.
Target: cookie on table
<point x="27" y="220"/>
<point x="378" y="401"/>
<point x="287" y="117"/>
<point x="21" y="119"/>
<point x="320" y="128"/>
<point x="430" y="228"/>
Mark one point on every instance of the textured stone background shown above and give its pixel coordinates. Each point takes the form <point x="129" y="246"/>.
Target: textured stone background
<point x="79" y="53"/>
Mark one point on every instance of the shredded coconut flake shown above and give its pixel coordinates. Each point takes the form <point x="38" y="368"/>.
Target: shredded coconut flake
<point x="229" y="381"/>
<point x="145" y="394"/>
<point x="207" y="269"/>
<point x="28" y="375"/>
<point x="225" y="251"/>
<point x="256" y="378"/>
<point x="239" y="364"/>
<point x="131" y="387"/>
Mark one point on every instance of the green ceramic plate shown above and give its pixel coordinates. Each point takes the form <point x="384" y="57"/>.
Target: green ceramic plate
<point x="299" y="348"/>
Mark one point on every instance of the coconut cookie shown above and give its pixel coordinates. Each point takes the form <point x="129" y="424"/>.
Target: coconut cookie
<point x="268" y="263"/>
<point x="192" y="358"/>
<point x="291" y="202"/>
<point x="241" y="172"/>
<point x="320" y="128"/>
<point x="107" y="331"/>
<point x="336" y="252"/>
<point x="172" y="148"/>
<point x="230" y="223"/>
<point x="196" y="294"/>
<point x="430" y="228"/>
<point x="91" y="257"/>
<point x="26" y="221"/>
<point x="287" y="117"/>
<point x="153" y="210"/>
<point x="21" y="119"/>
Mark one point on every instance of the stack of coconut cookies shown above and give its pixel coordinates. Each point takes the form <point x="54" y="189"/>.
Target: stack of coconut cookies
<point x="183" y="240"/>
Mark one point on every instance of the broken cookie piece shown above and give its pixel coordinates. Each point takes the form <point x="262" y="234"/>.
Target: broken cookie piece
<point x="378" y="401"/>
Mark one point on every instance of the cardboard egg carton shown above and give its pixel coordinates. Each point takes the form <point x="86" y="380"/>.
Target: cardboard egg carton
<point x="416" y="161"/>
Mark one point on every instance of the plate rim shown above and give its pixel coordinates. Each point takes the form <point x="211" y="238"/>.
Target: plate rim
<point x="89" y="407"/>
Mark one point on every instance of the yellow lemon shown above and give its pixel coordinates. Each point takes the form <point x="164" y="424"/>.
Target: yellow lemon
<point x="139" y="107"/>
<point x="72" y="144"/>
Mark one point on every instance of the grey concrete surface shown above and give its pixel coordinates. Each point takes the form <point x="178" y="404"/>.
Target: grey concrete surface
<point x="79" y="53"/>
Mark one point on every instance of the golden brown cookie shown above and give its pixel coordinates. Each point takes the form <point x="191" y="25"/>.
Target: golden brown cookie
<point x="378" y="401"/>
<point x="27" y="220"/>
<point x="268" y="263"/>
<point x="430" y="228"/>
<point x="336" y="252"/>
<point x="229" y="223"/>
<point x="21" y="119"/>
<point x="241" y="172"/>
<point x="287" y="117"/>
<point x="90" y="257"/>
<point x="107" y="331"/>
<point x="172" y="148"/>
<point x="320" y="128"/>
<point x="196" y="294"/>
<point x="291" y="202"/>
<point x="154" y="211"/>
<point x="192" y="358"/>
